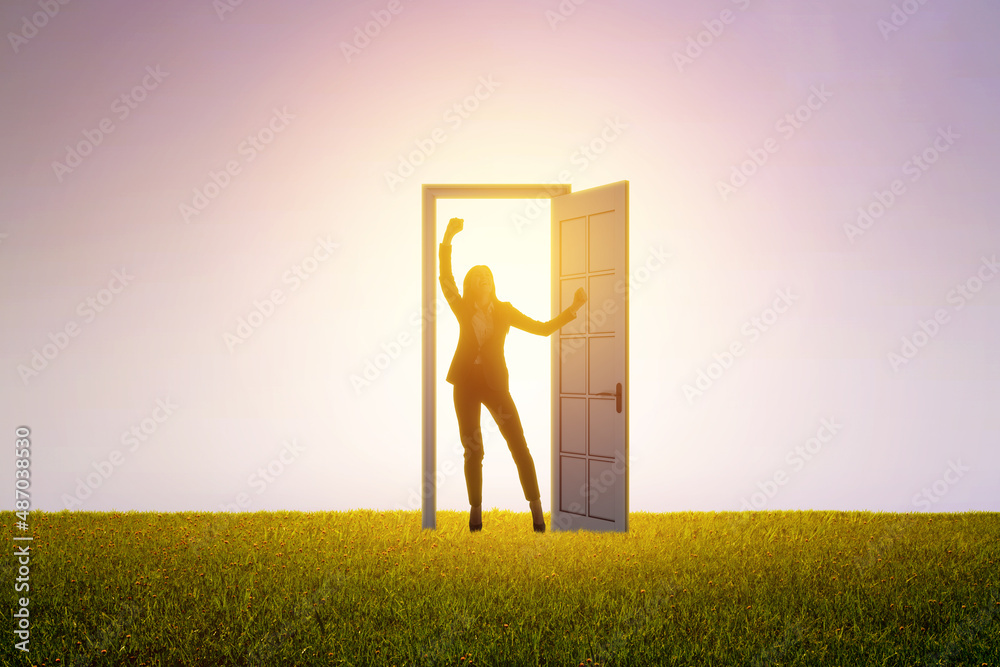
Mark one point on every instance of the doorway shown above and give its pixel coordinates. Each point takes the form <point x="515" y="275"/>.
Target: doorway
<point x="588" y="420"/>
<point x="511" y="236"/>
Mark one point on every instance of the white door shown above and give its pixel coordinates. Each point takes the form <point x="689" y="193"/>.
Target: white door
<point x="590" y="360"/>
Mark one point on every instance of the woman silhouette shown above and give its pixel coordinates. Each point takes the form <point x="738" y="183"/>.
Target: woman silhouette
<point x="479" y="374"/>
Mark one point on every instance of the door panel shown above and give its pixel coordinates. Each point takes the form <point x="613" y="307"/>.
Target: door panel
<point x="573" y="422"/>
<point x="573" y="370"/>
<point x="590" y="360"/>
<point x="603" y="252"/>
<point x="604" y="371"/>
<point x="569" y="287"/>
<point x="574" y="249"/>
<point x="573" y="498"/>
<point x="602" y="490"/>
<point x="602" y="311"/>
<point x="604" y="440"/>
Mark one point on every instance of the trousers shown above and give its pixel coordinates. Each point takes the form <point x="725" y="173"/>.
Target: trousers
<point x="469" y="397"/>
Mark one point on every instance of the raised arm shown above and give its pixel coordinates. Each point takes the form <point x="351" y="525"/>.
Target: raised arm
<point x="525" y="323"/>
<point x="446" y="278"/>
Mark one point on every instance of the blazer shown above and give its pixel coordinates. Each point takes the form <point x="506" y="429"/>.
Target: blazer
<point x="505" y="316"/>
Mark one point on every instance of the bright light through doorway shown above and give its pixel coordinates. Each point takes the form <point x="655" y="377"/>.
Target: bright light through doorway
<point x="519" y="256"/>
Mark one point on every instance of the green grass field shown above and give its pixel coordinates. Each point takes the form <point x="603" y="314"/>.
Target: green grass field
<point x="373" y="588"/>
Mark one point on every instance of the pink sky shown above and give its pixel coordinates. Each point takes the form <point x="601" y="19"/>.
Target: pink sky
<point x="169" y="170"/>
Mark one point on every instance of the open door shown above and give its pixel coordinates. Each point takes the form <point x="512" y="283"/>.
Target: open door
<point x="590" y="360"/>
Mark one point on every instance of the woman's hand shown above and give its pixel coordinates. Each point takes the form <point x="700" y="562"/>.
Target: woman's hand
<point x="454" y="227"/>
<point x="579" y="299"/>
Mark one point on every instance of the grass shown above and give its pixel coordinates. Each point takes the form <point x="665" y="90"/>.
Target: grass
<point x="373" y="588"/>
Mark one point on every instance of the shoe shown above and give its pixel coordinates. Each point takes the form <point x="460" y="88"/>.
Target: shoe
<point x="536" y="508"/>
<point x="476" y="527"/>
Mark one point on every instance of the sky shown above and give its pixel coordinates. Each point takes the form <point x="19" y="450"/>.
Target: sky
<point x="210" y="245"/>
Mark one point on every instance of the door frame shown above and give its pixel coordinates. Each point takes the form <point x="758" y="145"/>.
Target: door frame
<point x="429" y="196"/>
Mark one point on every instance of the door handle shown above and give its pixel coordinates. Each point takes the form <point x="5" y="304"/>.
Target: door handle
<point x="617" y="394"/>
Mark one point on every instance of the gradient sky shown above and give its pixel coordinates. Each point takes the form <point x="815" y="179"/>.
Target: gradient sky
<point x="229" y="157"/>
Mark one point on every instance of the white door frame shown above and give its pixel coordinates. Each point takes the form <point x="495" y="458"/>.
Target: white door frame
<point x="429" y="196"/>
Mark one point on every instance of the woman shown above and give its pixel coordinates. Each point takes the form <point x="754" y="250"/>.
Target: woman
<point x="479" y="373"/>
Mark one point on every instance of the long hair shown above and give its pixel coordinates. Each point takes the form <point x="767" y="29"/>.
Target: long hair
<point x="467" y="284"/>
